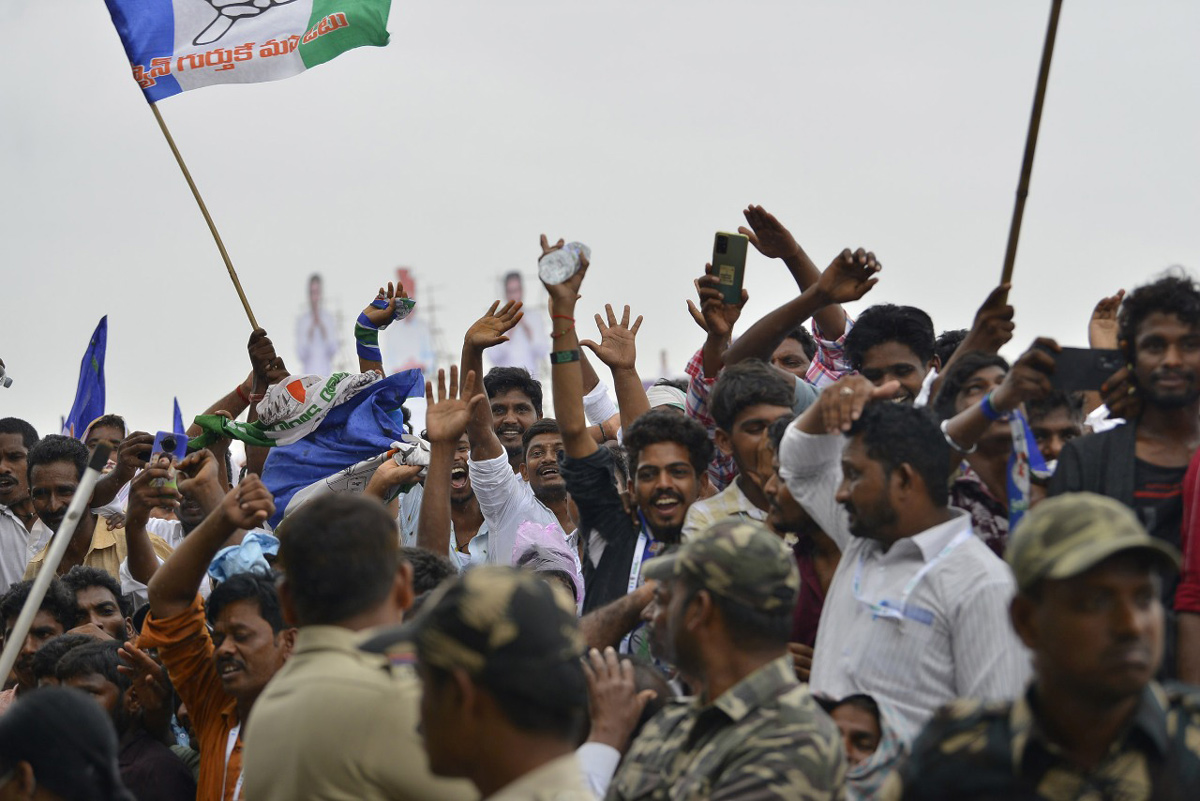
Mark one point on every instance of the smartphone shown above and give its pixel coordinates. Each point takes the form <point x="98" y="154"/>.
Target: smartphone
<point x="729" y="265"/>
<point x="170" y="444"/>
<point x="1084" y="369"/>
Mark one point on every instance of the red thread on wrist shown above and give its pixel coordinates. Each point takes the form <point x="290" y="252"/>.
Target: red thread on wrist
<point x="561" y="317"/>
<point x="242" y="394"/>
<point x="562" y="333"/>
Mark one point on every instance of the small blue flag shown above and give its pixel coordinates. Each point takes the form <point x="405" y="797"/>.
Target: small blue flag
<point x="177" y="425"/>
<point x="1025" y="460"/>
<point x="89" y="394"/>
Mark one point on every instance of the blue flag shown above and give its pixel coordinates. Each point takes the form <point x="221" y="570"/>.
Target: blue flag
<point x="343" y="451"/>
<point x="89" y="394"/>
<point x="177" y="423"/>
<point x="1025" y="460"/>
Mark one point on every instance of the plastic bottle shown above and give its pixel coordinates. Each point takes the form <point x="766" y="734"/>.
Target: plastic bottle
<point x="559" y="265"/>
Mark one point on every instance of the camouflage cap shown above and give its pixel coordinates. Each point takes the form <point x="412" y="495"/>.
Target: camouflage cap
<point x="739" y="559"/>
<point x="507" y="628"/>
<point x="1069" y="534"/>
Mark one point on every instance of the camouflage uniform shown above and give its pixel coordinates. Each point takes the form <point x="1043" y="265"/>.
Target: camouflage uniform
<point x="763" y="738"/>
<point x="511" y="632"/>
<point x="1002" y="751"/>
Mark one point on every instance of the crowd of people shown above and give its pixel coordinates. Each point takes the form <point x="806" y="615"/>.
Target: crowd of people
<point x="845" y="558"/>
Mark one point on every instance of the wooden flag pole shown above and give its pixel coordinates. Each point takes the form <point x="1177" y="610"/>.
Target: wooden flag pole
<point x="207" y="218"/>
<point x="1035" y="121"/>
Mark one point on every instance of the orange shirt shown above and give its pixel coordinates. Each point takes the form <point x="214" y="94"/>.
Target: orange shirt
<point x="186" y="649"/>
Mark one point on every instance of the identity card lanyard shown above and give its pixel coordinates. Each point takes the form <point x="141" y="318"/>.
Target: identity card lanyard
<point x="237" y="788"/>
<point x="885" y="609"/>
<point x="635" y="573"/>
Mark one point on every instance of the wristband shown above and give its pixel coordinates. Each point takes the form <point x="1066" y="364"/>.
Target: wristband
<point x="241" y="393"/>
<point x="366" y="335"/>
<point x="950" y="440"/>
<point x="564" y="356"/>
<point x="990" y="411"/>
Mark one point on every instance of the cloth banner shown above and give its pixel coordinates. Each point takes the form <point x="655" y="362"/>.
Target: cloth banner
<point x="178" y="45"/>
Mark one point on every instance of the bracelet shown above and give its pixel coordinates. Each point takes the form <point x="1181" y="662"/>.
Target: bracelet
<point x="564" y="356"/>
<point x="990" y="411"/>
<point x="562" y="333"/>
<point x="561" y="317"/>
<point x="257" y="397"/>
<point x="950" y="440"/>
<point x="241" y="393"/>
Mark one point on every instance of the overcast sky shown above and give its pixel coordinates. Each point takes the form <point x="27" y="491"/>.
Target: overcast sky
<point x="639" y="128"/>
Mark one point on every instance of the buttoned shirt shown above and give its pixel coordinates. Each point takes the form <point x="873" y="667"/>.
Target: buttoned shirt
<point x="763" y="738"/>
<point x="920" y="624"/>
<point x="186" y="649"/>
<point x="408" y="516"/>
<point x="729" y="502"/>
<point x="14" y="554"/>
<point x="506" y="501"/>
<point x="1002" y="750"/>
<point x="106" y="551"/>
<point x="558" y="780"/>
<point x="337" y="723"/>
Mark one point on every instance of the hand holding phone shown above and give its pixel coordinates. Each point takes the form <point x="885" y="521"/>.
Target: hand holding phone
<point x="729" y="265"/>
<point x="1084" y="369"/>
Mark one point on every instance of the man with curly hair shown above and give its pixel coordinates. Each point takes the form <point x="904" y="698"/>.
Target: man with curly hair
<point x="1142" y="463"/>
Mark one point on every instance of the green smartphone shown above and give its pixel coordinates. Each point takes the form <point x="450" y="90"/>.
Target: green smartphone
<point x="729" y="265"/>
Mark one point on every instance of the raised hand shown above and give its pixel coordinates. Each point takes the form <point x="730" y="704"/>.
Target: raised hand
<point x="381" y="317"/>
<point x="199" y="477"/>
<point x="617" y="340"/>
<point x="768" y="235"/>
<point x="267" y="366"/>
<point x="149" y="681"/>
<point x="446" y="419"/>
<point x="248" y="505"/>
<point x="568" y="290"/>
<point x="719" y="317"/>
<point x="145" y="496"/>
<point x="841" y="403"/>
<point x="133" y="453"/>
<point x="849" y="276"/>
<point x="1029" y="377"/>
<point x="613" y="700"/>
<point x="490" y="329"/>
<point x="1102" y="327"/>
<point x="993" y="326"/>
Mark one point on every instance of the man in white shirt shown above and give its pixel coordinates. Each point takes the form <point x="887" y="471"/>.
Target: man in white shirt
<point x="317" y="341"/>
<point x="17" y="516"/>
<point x="916" y="614"/>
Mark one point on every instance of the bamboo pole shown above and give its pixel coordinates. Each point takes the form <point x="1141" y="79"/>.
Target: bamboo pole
<point x="1035" y="121"/>
<point x="237" y="284"/>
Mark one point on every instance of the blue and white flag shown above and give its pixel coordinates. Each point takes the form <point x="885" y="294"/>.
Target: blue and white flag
<point x="341" y="453"/>
<point x="89" y="392"/>
<point x="1024" y="460"/>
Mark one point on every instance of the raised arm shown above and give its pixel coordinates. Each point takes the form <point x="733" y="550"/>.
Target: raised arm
<point x="268" y="369"/>
<point x="717" y="318"/>
<point x="234" y="403"/>
<point x="445" y="421"/>
<point x="992" y="329"/>
<point x="847" y="278"/>
<point x="1029" y="379"/>
<point x="174" y="585"/>
<point x="566" y="372"/>
<point x="144" y="496"/>
<point x="488" y="331"/>
<point x="373" y="319"/>
<point x="618" y="351"/>
<point x="132" y="454"/>
<point x="775" y="241"/>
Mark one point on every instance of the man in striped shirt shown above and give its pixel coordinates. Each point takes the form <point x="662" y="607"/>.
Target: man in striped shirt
<point x="917" y="613"/>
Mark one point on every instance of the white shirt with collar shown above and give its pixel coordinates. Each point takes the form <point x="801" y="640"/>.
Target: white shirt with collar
<point x="507" y="501"/>
<point x="921" y="624"/>
<point x="408" y="516"/>
<point x="14" y="548"/>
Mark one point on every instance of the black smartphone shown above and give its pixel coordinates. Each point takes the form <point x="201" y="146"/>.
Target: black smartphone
<point x="729" y="265"/>
<point x="1084" y="369"/>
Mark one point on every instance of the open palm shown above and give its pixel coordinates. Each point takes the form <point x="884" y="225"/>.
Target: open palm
<point x="617" y="340"/>
<point x="490" y="329"/>
<point x="446" y="419"/>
